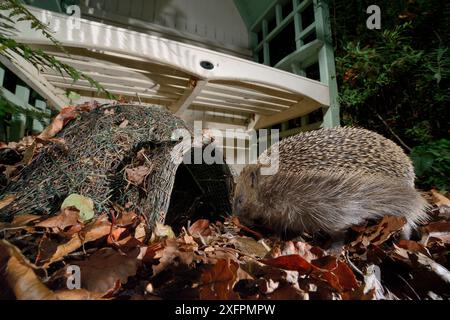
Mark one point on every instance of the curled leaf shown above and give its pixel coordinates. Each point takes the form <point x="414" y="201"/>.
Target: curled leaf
<point x="83" y="204"/>
<point x="67" y="114"/>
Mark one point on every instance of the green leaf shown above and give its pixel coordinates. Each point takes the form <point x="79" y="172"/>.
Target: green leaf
<point x="83" y="204"/>
<point x="73" y="95"/>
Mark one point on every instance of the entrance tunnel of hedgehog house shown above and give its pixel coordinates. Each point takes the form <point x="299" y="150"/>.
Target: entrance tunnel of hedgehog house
<point x="200" y="191"/>
<point x="100" y="146"/>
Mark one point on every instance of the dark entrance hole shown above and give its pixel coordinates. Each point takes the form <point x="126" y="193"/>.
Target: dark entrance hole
<point x="200" y="191"/>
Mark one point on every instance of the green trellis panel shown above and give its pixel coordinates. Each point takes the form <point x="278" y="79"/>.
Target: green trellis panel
<point x="326" y="62"/>
<point x="255" y="15"/>
<point x="18" y="122"/>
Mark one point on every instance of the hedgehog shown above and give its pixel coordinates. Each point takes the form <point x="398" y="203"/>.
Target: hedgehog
<point x="329" y="180"/>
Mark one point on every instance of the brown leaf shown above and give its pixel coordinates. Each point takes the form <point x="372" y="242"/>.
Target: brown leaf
<point x="115" y="235"/>
<point x="288" y="293"/>
<point x="137" y="175"/>
<point x="327" y="263"/>
<point x="28" y="154"/>
<point x="326" y="267"/>
<point x="149" y="252"/>
<point x="218" y="281"/>
<point x="429" y="264"/>
<point x="439" y="230"/>
<point x="95" y="230"/>
<point x="78" y="294"/>
<point x="439" y="199"/>
<point x="290" y="262"/>
<point x="68" y="233"/>
<point x="20" y="276"/>
<point x="88" y="106"/>
<point x="303" y="249"/>
<point x="174" y="251"/>
<point x="47" y="247"/>
<point x="380" y="233"/>
<point x="68" y="217"/>
<point x="20" y="221"/>
<point x="67" y="114"/>
<point x="7" y="200"/>
<point x="413" y="246"/>
<point x="346" y="277"/>
<point x="249" y="246"/>
<point x="126" y="219"/>
<point x="166" y="255"/>
<point x="437" y="227"/>
<point x="359" y="294"/>
<point x="140" y="233"/>
<point x="339" y="276"/>
<point x="200" y="227"/>
<point x="101" y="271"/>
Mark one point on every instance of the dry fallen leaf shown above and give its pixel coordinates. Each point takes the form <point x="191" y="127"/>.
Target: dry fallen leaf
<point x="171" y="251"/>
<point x="218" y="281"/>
<point x="68" y="217"/>
<point x="23" y="282"/>
<point x="437" y="227"/>
<point x="20" y="276"/>
<point x="140" y="233"/>
<point x="7" y="200"/>
<point x="290" y="262"/>
<point x="249" y="246"/>
<point x="303" y="249"/>
<point x="200" y="227"/>
<point x="20" y="221"/>
<point x="116" y="234"/>
<point x="439" y="199"/>
<point x="288" y="293"/>
<point x="337" y="273"/>
<point x="29" y="154"/>
<point x="137" y="175"/>
<point x="101" y="271"/>
<point x="78" y="294"/>
<point x="166" y="255"/>
<point x="437" y="230"/>
<point x="126" y="219"/>
<point x="426" y="262"/>
<point x="413" y="246"/>
<point x="95" y="230"/>
<point x="381" y="232"/>
<point x="67" y="114"/>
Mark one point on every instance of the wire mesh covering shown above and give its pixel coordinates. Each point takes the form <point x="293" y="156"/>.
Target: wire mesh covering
<point x="99" y="148"/>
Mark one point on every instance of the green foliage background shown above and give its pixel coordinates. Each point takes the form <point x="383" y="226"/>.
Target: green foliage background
<point x="396" y="80"/>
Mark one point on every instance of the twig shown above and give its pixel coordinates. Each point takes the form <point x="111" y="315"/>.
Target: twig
<point x="393" y="133"/>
